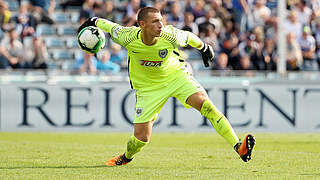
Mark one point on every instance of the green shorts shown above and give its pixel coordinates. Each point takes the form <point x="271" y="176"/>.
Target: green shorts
<point x="150" y="102"/>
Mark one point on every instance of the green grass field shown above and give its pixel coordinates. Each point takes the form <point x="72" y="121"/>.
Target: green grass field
<point x="168" y="156"/>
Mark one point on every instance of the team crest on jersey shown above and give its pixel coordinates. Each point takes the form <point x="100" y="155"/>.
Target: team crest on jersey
<point x="138" y="111"/>
<point x="163" y="53"/>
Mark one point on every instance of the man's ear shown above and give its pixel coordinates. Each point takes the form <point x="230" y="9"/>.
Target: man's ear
<point x="141" y="23"/>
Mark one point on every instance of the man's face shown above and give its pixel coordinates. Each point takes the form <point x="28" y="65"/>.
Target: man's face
<point x="152" y="24"/>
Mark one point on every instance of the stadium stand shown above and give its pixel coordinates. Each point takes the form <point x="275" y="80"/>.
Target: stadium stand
<point x="46" y="30"/>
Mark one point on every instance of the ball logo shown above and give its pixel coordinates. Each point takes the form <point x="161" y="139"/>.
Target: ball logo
<point x="138" y="111"/>
<point x="163" y="53"/>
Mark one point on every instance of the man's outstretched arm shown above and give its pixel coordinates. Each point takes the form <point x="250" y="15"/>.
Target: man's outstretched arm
<point x="184" y="38"/>
<point x="103" y="24"/>
<point x="205" y="49"/>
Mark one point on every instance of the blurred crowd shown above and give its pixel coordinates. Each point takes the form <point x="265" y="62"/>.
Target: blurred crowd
<point x="242" y="32"/>
<point x="15" y="28"/>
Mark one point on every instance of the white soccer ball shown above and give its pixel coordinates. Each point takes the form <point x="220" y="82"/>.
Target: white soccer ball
<point x="91" y="39"/>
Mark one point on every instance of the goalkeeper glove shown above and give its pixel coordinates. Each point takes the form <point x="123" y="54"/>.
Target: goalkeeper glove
<point x="207" y="54"/>
<point x="89" y="22"/>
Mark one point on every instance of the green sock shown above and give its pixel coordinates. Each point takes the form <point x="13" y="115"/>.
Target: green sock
<point x="134" y="145"/>
<point x="219" y="122"/>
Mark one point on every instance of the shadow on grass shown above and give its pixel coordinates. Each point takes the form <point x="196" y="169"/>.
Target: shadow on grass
<point x="212" y="168"/>
<point x="310" y="174"/>
<point x="54" y="167"/>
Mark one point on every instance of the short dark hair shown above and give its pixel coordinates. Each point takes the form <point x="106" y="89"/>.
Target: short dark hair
<point x="143" y="12"/>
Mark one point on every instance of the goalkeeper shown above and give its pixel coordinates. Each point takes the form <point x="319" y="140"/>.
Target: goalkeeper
<point x="157" y="72"/>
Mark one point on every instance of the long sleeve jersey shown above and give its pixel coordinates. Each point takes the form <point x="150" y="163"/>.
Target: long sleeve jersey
<point x="151" y="65"/>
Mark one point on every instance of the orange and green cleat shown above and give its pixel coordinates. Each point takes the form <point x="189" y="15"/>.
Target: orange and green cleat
<point x="245" y="149"/>
<point x="118" y="161"/>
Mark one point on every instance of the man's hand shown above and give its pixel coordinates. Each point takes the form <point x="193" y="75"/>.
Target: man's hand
<point x="207" y="54"/>
<point x="89" y="22"/>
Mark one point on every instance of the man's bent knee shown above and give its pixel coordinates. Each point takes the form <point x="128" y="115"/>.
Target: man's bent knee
<point x="197" y="99"/>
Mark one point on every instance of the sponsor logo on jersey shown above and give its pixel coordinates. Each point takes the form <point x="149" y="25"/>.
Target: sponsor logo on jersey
<point x="138" y="111"/>
<point x="163" y="53"/>
<point x="150" y="63"/>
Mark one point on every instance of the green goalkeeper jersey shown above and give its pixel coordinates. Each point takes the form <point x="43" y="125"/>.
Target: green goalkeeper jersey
<point x="153" y="65"/>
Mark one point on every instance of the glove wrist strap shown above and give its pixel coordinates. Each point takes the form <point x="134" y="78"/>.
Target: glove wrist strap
<point x="204" y="47"/>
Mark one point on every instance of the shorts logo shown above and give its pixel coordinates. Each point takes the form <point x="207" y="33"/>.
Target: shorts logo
<point x="151" y="63"/>
<point x="138" y="111"/>
<point x="163" y="53"/>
